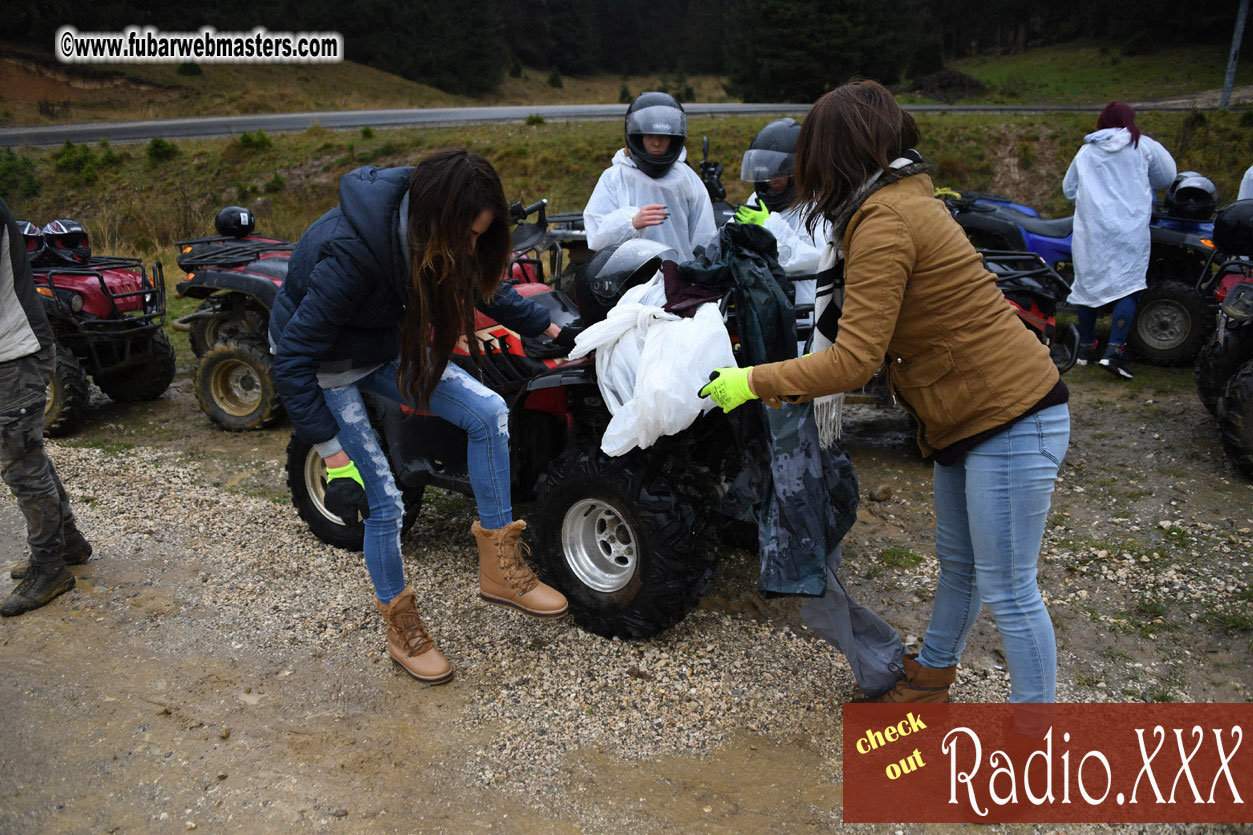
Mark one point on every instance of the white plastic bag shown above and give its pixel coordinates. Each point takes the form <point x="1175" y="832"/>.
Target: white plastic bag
<point x="650" y="365"/>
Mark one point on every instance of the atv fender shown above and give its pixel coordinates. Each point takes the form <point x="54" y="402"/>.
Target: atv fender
<point x="545" y="392"/>
<point x="207" y="282"/>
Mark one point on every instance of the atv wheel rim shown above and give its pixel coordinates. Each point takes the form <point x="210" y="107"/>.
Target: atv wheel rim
<point x="600" y="546"/>
<point x="1163" y="326"/>
<point x="236" y="388"/>
<point x="315" y="485"/>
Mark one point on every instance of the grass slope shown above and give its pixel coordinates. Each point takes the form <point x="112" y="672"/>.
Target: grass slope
<point x="132" y="204"/>
<point x="1084" y="73"/>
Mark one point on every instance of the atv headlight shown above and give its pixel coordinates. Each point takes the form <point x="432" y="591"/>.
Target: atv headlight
<point x="76" y="302"/>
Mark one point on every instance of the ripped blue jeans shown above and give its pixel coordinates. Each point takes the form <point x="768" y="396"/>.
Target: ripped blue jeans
<point x="459" y="399"/>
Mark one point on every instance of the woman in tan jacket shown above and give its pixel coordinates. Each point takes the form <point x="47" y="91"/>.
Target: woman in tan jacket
<point x="989" y="401"/>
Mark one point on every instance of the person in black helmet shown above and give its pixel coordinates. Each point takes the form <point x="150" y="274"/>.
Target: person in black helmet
<point x="649" y="191"/>
<point x="768" y="165"/>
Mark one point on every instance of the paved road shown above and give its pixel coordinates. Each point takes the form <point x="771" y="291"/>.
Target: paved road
<point x="124" y="132"/>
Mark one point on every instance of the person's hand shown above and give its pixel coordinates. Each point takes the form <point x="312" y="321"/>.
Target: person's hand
<point x="566" y="336"/>
<point x="651" y="215"/>
<point x="345" y="493"/>
<point x="729" y="388"/>
<point x="747" y="214"/>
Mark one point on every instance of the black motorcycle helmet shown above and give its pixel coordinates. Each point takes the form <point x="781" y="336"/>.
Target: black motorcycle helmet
<point x="602" y="281"/>
<point x="33" y="239"/>
<point x="1233" y="229"/>
<point x="656" y="113"/>
<point x="235" y="222"/>
<point x="772" y="153"/>
<point x="1191" y="196"/>
<point x="66" y="243"/>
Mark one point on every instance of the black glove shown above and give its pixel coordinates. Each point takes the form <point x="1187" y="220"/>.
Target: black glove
<point x="345" y="494"/>
<point x="566" y="336"/>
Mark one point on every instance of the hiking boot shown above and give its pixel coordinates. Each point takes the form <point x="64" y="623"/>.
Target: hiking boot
<point x="407" y="641"/>
<point x="1115" y="362"/>
<point x="504" y="577"/>
<point x="918" y="683"/>
<point x="1087" y="354"/>
<point x="42" y="583"/>
<point x="77" y="551"/>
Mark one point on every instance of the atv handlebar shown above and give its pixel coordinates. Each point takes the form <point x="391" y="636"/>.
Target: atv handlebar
<point x="519" y="213"/>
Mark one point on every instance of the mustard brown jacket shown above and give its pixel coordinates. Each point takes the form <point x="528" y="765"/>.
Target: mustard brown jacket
<point x="918" y="297"/>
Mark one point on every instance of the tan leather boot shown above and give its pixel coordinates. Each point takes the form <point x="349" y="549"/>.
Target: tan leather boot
<point x="919" y="683"/>
<point x="504" y="577"/>
<point x="407" y="641"/>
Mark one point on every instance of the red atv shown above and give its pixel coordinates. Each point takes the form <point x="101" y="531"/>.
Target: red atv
<point x="238" y="275"/>
<point x="106" y="313"/>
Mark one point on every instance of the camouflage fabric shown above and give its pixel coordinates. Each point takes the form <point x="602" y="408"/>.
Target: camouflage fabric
<point x="23" y="461"/>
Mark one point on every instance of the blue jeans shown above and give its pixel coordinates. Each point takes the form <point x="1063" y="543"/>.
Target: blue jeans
<point x="990" y="512"/>
<point x="1124" y="313"/>
<point x="458" y="398"/>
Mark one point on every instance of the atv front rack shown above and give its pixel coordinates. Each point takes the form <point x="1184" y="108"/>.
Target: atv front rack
<point x="151" y="289"/>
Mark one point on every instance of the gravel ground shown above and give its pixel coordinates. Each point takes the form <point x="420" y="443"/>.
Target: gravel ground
<point x="212" y="607"/>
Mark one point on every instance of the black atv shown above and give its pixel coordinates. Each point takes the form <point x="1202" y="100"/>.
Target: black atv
<point x="106" y="314"/>
<point x="238" y="276"/>
<point x="1224" y="367"/>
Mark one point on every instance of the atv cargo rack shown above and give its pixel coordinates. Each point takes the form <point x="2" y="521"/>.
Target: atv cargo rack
<point x="223" y="251"/>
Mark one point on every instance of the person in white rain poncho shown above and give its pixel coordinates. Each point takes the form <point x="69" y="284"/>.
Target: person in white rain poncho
<point x="1111" y="182"/>
<point x="649" y="191"/>
<point x="1246" y="185"/>
<point x="768" y="166"/>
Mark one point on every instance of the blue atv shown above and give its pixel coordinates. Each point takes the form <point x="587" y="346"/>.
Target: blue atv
<point x="1173" y="319"/>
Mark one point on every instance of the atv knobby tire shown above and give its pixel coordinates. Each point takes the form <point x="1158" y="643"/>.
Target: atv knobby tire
<point x="1171" y="323"/>
<point x="306" y="479"/>
<point x="243" y="320"/>
<point x="1217" y="361"/>
<point x="235" y="386"/>
<point x="1235" y="419"/>
<point x="146" y="381"/>
<point x="620" y="524"/>
<point x="67" y="395"/>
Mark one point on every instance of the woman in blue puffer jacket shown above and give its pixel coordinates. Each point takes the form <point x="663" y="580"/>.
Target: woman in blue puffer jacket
<point x="378" y="292"/>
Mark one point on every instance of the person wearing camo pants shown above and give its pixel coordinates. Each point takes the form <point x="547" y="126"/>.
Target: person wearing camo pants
<point x="27" y="361"/>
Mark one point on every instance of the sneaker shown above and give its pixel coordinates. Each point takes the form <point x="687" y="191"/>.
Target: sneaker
<point x="1087" y="354"/>
<point x="1115" y="362"/>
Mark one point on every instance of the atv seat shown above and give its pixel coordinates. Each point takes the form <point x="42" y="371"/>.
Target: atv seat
<point x="273" y="267"/>
<point x="1056" y="228"/>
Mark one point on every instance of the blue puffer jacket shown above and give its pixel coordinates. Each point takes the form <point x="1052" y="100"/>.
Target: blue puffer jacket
<point x="343" y="300"/>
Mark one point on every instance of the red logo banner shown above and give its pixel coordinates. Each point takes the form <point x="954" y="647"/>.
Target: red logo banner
<point x="1000" y="763"/>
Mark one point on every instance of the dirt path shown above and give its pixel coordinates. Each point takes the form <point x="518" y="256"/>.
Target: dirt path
<point x="218" y="667"/>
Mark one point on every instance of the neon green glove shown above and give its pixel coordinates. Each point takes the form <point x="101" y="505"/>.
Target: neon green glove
<point x="349" y="470"/>
<point x="729" y="388"/>
<point x="345" y="493"/>
<point x="747" y="214"/>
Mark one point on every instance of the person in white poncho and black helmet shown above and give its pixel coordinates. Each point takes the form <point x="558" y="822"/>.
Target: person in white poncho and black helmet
<point x="649" y="191"/>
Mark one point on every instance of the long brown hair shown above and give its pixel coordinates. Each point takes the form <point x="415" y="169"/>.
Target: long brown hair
<point x="447" y="192"/>
<point x="850" y="133"/>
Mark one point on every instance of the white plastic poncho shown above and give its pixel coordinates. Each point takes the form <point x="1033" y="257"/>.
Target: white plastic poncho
<point x="1246" y="185"/>
<point x="623" y="190"/>
<point x="1111" y="182"/>
<point x="799" y="252"/>
<point x="650" y="364"/>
